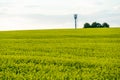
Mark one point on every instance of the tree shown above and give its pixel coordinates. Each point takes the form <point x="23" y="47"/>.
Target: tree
<point x="87" y="25"/>
<point x="94" y="25"/>
<point x="98" y="25"/>
<point x="105" y="25"/>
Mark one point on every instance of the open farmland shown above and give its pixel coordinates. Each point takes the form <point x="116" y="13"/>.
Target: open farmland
<point x="83" y="54"/>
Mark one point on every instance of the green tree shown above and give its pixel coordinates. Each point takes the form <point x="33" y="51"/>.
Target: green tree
<point x="98" y="25"/>
<point x="105" y="25"/>
<point x="94" y="25"/>
<point x="87" y="25"/>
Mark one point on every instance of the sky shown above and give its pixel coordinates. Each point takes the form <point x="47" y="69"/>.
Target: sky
<point x="56" y="14"/>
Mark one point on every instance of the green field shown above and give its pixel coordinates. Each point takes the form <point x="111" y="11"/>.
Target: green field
<point x="83" y="54"/>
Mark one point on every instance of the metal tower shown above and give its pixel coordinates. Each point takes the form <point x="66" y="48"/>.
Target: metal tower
<point x="75" y="17"/>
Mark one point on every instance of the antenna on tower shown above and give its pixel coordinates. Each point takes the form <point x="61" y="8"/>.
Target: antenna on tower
<point x="75" y="17"/>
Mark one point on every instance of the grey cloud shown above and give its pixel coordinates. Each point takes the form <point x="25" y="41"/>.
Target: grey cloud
<point x="49" y="18"/>
<point x="99" y="3"/>
<point x="6" y="2"/>
<point x="31" y="6"/>
<point x="112" y="17"/>
<point x="105" y="16"/>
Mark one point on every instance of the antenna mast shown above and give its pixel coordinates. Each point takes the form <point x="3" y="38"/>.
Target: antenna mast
<point x="75" y="17"/>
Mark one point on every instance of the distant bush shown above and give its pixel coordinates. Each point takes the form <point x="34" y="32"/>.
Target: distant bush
<point x="86" y="25"/>
<point x="96" y="25"/>
<point x="105" y="25"/>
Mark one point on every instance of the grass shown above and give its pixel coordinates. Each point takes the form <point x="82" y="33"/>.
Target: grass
<point x="83" y="54"/>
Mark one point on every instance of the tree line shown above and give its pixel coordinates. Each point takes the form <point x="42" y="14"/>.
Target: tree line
<point x="96" y="25"/>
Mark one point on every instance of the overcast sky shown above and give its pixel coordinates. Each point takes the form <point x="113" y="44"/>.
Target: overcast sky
<point x="50" y="14"/>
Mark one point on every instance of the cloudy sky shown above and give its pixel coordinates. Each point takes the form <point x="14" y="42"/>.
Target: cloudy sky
<point x="53" y="14"/>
